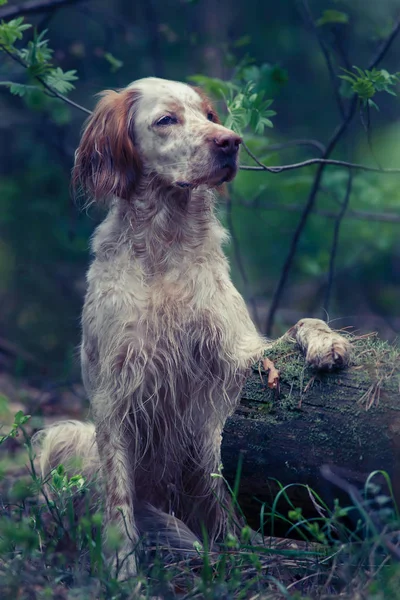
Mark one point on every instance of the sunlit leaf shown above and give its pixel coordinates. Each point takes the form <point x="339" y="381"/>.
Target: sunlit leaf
<point x="332" y="16"/>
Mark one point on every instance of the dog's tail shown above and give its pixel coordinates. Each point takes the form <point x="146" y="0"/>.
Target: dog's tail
<point x="166" y="532"/>
<point x="70" y="443"/>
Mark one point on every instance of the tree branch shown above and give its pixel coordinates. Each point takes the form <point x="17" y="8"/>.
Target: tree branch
<point x="335" y="242"/>
<point x="337" y="135"/>
<point x="33" y="6"/>
<point x="310" y="162"/>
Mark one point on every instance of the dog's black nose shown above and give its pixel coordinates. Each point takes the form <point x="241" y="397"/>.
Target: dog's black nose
<point x="228" y="142"/>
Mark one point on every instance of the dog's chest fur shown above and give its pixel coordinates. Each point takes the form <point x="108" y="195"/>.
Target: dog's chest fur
<point x="172" y="325"/>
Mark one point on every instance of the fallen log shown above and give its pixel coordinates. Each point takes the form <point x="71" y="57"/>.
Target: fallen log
<point x="347" y="418"/>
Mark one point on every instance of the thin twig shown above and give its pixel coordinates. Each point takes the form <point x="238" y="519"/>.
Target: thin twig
<point x="366" y="123"/>
<point x="325" y="51"/>
<point x="62" y="97"/>
<point x="335" y="242"/>
<point x="310" y="162"/>
<point x="33" y="6"/>
<point x="238" y="258"/>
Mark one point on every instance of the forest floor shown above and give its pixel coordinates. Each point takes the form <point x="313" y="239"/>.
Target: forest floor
<point x="47" y="552"/>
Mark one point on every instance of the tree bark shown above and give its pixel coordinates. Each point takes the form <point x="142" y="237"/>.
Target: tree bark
<point x="348" y="418"/>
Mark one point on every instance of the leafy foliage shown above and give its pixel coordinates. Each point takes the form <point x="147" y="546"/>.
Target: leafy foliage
<point x="18" y="89"/>
<point x="36" y="58"/>
<point x="367" y="83"/>
<point x="248" y="108"/>
<point x="245" y="96"/>
<point x="60" y="81"/>
<point x="11" y="32"/>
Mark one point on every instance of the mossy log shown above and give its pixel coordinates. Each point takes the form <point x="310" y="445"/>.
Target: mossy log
<point x="348" y="418"/>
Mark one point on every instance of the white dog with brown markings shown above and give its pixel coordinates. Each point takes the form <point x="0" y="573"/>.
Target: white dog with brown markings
<point x="167" y="339"/>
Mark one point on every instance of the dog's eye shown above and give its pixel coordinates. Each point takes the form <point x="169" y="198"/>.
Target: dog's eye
<point x="167" y="120"/>
<point x="210" y="116"/>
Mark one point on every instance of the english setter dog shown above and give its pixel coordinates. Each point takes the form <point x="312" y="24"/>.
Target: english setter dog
<point x="167" y="338"/>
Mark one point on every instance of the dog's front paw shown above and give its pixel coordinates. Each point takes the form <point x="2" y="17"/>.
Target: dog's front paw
<point x="324" y="349"/>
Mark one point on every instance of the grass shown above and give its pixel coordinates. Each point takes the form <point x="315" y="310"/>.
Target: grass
<point x="47" y="552"/>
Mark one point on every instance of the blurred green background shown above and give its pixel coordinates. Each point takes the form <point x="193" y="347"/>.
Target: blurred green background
<point x="44" y="236"/>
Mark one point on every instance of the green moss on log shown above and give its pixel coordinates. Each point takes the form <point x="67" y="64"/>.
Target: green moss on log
<point x="374" y="375"/>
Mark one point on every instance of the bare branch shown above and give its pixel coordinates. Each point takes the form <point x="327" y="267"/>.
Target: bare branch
<point x="310" y="162"/>
<point x="32" y="6"/>
<point x="56" y="94"/>
<point x="335" y="242"/>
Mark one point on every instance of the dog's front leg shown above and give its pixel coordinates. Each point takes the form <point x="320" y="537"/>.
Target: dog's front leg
<point x="113" y="445"/>
<point x="324" y="348"/>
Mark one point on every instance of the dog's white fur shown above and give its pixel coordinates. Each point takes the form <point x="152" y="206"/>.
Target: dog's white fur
<point x="167" y="339"/>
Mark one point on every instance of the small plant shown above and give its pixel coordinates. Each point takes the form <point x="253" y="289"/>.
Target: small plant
<point x="245" y="95"/>
<point x="367" y="83"/>
<point x="36" y="58"/>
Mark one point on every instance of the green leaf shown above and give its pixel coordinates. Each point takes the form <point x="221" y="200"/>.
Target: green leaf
<point x="332" y="16"/>
<point x="18" y="89"/>
<point x="20" y="418"/>
<point x="237" y="119"/>
<point x="37" y="55"/>
<point x="12" y="31"/>
<point x="372" y="104"/>
<point x="245" y="100"/>
<point x="3" y="2"/>
<point x="60" y="80"/>
<point x="114" y="63"/>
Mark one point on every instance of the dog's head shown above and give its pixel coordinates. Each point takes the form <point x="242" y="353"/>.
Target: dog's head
<point x="154" y="128"/>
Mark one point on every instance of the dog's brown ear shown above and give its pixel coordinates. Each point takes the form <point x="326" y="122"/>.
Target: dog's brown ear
<point x="106" y="162"/>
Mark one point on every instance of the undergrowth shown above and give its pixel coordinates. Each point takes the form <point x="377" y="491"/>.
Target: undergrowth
<point x="46" y="551"/>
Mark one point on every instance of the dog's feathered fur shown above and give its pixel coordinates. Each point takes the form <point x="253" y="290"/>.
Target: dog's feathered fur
<point x="167" y="339"/>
